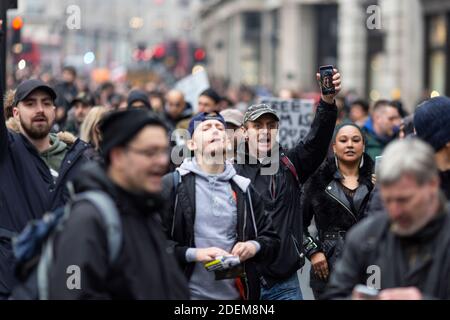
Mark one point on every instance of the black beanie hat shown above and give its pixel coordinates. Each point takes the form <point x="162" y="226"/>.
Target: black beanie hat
<point x="432" y="122"/>
<point x="211" y="94"/>
<point x="138" y="95"/>
<point x="120" y="127"/>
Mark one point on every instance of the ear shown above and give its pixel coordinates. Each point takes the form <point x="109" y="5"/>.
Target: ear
<point x="117" y="157"/>
<point x="192" y="146"/>
<point x="334" y="148"/>
<point x="16" y="113"/>
<point x="244" y="133"/>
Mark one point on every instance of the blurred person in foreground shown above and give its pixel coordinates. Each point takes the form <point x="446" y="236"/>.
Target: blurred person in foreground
<point x="402" y="252"/>
<point x="135" y="156"/>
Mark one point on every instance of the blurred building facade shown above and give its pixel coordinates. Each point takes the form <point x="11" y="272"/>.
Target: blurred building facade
<point x="110" y="29"/>
<point x="281" y="44"/>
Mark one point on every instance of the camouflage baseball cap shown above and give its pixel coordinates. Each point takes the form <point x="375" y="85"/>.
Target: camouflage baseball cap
<point x="257" y="110"/>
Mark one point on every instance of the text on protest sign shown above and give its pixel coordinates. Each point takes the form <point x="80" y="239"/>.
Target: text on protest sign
<point x="295" y="115"/>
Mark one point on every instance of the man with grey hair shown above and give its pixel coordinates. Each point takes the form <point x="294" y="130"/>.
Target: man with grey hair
<point x="403" y="253"/>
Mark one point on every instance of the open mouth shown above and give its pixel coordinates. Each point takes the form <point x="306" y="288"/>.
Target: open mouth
<point x="215" y="140"/>
<point x="40" y="119"/>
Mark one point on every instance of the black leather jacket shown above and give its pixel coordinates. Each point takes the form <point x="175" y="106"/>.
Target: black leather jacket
<point x="324" y="199"/>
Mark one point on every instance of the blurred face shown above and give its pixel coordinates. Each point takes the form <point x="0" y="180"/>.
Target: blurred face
<point x="349" y="145"/>
<point x="206" y="104"/>
<point x="36" y="114"/>
<point x="235" y="135"/>
<point x="386" y="120"/>
<point x="143" y="162"/>
<point x="409" y="205"/>
<point x="175" y="104"/>
<point x="138" y="105"/>
<point x="81" y="110"/>
<point x="357" y="113"/>
<point x="68" y="76"/>
<point x="157" y="104"/>
<point x="210" y="140"/>
<point x="261" y="135"/>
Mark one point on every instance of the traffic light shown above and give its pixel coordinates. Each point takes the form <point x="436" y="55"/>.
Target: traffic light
<point x="159" y="52"/>
<point x="199" y="55"/>
<point x="16" y="41"/>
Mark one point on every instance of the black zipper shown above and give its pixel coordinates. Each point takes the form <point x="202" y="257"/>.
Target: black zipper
<point x="340" y="202"/>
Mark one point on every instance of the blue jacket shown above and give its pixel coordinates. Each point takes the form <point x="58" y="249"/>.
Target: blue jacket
<point x="27" y="189"/>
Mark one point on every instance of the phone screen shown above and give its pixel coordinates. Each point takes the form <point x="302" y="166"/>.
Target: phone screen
<point x="326" y="79"/>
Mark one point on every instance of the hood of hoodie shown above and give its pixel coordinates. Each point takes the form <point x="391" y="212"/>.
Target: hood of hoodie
<point x="191" y="165"/>
<point x="229" y="173"/>
<point x="57" y="146"/>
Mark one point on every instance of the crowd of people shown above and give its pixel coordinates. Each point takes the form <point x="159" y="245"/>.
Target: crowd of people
<point x="238" y="215"/>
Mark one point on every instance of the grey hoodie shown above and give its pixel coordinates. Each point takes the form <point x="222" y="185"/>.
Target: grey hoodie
<point x="215" y="226"/>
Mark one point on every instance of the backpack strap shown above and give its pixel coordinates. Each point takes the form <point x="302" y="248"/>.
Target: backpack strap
<point x="176" y="176"/>
<point x="288" y="163"/>
<point x="111" y="217"/>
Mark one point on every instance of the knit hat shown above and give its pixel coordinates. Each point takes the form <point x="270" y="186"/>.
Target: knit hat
<point x="120" y="127"/>
<point x="138" y="95"/>
<point x="432" y="121"/>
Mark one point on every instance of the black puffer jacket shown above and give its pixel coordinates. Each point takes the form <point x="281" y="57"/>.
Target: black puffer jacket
<point x="324" y="199"/>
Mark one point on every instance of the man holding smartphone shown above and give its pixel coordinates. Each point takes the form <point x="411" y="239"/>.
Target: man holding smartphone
<point x="277" y="175"/>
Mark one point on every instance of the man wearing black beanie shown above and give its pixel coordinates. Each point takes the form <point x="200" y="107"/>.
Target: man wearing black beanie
<point x="432" y="124"/>
<point x="138" y="99"/>
<point x="135" y="150"/>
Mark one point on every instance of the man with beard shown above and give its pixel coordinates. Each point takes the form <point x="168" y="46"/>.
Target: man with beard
<point x="35" y="167"/>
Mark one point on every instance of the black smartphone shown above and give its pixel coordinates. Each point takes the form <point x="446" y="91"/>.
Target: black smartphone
<point x="326" y="79"/>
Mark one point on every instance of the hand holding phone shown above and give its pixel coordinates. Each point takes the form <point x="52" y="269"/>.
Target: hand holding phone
<point x="326" y="80"/>
<point x="330" y="82"/>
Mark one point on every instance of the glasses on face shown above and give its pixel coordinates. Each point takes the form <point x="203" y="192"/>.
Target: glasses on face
<point x="149" y="152"/>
